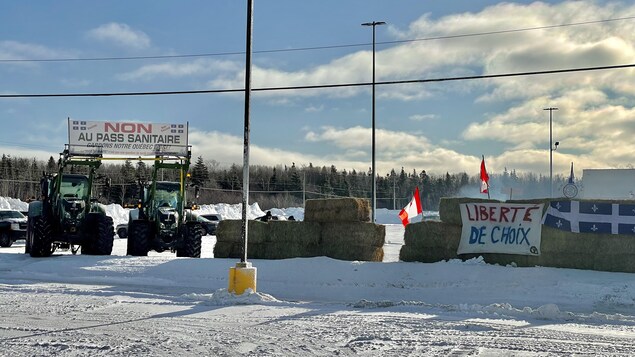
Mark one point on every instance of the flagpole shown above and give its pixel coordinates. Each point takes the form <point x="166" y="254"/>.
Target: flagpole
<point x="488" y="181"/>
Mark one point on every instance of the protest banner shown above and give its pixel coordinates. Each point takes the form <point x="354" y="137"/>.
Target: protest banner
<point x="507" y="228"/>
<point x="126" y="138"/>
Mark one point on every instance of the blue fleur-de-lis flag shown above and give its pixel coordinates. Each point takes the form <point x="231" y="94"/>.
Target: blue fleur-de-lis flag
<point x="591" y="217"/>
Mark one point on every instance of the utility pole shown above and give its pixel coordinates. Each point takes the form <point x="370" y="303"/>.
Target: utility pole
<point x="373" y="199"/>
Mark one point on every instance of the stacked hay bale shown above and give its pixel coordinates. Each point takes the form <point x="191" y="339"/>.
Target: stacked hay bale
<point x="336" y="228"/>
<point x="433" y="241"/>
<point x="229" y="239"/>
<point x="271" y="240"/>
<point x="430" y="241"/>
<point x="347" y="232"/>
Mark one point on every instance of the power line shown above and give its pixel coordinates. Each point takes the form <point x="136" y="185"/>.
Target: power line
<point x="313" y="48"/>
<point x="321" y="86"/>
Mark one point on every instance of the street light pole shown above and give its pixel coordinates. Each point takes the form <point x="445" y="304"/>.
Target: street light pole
<point x="551" y="149"/>
<point x="374" y="181"/>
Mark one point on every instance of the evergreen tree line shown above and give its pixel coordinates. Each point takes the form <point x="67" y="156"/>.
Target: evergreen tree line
<point x="277" y="186"/>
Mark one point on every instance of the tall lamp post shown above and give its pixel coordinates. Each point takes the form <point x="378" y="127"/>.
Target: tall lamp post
<point x="374" y="188"/>
<point x="551" y="148"/>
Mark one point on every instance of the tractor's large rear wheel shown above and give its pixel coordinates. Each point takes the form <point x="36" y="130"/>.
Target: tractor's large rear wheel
<point x="41" y="244"/>
<point x="191" y="245"/>
<point x="138" y="238"/>
<point x="101" y="235"/>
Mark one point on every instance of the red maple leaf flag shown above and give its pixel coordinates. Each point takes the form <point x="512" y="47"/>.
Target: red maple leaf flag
<point x="484" y="178"/>
<point x="413" y="209"/>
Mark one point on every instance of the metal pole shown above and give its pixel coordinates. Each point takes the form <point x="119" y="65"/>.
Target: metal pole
<point x="551" y="109"/>
<point x="373" y="167"/>
<point x="394" y="195"/>
<point x="250" y="7"/>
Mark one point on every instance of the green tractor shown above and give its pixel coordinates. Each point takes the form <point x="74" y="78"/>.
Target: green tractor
<point x="163" y="221"/>
<point x="67" y="216"/>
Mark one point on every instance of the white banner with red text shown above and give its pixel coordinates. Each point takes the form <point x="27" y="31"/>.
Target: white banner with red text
<point x="126" y="138"/>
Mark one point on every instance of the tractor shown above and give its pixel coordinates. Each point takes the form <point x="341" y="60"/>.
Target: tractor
<point x="163" y="220"/>
<point x="67" y="216"/>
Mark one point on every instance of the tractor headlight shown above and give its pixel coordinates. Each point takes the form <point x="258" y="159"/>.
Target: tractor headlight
<point x="161" y="225"/>
<point x="15" y="226"/>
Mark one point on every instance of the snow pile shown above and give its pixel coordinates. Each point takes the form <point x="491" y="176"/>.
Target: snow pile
<point x="13" y="203"/>
<point x="119" y="214"/>
<point x="232" y="211"/>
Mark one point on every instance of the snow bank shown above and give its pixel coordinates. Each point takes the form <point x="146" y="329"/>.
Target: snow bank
<point x="13" y="203"/>
<point x="231" y="211"/>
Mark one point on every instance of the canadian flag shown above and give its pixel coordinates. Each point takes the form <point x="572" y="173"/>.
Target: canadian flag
<point x="484" y="178"/>
<point x="413" y="209"/>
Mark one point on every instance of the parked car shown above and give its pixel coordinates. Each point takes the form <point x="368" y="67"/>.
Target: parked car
<point x="122" y="230"/>
<point x="209" y="222"/>
<point x="12" y="227"/>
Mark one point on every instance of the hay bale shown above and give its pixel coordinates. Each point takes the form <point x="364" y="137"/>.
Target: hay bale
<point x="234" y="250"/>
<point x="360" y="233"/>
<point x="227" y="250"/>
<point x="302" y="233"/>
<point x="424" y="234"/>
<point x="285" y="250"/>
<point x="230" y="230"/>
<point x="449" y="211"/>
<point x="337" y="210"/>
<point x="425" y="255"/>
<point x="410" y="254"/>
<point x="433" y="234"/>
<point x="353" y="252"/>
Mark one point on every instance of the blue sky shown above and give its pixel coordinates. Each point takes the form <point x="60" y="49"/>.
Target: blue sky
<point x="437" y="127"/>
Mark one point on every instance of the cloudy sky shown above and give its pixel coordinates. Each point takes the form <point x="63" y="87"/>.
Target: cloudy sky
<point x="103" y="47"/>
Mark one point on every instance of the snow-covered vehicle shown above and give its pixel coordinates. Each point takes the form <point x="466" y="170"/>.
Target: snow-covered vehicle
<point x="12" y="227"/>
<point x="209" y="222"/>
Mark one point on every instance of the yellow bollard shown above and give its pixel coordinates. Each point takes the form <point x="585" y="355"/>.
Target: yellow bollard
<point x="241" y="278"/>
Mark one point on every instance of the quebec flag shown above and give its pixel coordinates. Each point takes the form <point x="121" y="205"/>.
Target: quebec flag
<point x="591" y="217"/>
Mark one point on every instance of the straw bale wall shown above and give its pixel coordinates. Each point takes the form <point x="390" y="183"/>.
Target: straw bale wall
<point x="336" y="228"/>
<point x="431" y="241"/>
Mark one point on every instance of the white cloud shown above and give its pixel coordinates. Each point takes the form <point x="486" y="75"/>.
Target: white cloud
<point x="14" y="50"/>
<point x="358" y="137"/>
<point x="423" y="117"/>
<point x="198" y="67"/>
<point x="314" y="108"/>
<point x="121" y="35"/>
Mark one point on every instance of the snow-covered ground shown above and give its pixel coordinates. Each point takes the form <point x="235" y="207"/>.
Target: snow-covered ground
<point x="161" y="305"/>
